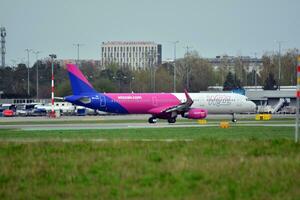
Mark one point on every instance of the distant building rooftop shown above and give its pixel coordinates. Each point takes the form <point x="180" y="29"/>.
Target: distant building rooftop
<point x="232" y="59"/>
<point x="128" y="43"/>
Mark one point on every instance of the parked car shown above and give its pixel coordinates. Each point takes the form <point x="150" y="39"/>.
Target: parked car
<point x="39" y="112"/>
<point x="8" y="113"/>
<point x="25" y="109"/>
<point x="9" y="110"/>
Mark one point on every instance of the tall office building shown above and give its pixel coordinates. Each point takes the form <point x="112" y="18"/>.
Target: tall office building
<point x="135" y="55"/>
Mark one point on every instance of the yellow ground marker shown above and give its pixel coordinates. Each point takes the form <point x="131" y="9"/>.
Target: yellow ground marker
<point x="263" y="117"/>
<point x="224" y="124"/>
<point x="202" y="121"/>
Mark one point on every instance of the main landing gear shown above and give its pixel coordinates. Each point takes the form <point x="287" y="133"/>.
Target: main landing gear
<point x="152" y="120"/>
<point x="172" y="120"/>
<point x="233" y="118"/>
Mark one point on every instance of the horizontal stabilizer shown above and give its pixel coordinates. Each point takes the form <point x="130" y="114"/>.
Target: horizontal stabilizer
<point x="59" y="98"/>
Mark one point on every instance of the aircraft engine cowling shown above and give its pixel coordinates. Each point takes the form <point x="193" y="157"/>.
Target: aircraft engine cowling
<point x="195" y="113"/>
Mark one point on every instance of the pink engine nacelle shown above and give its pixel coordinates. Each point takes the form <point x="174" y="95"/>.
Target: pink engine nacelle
<point x="195" y="113"/>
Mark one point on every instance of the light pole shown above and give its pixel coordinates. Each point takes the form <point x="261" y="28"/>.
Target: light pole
<point x="130" y="83"/>
<point x="149" y="55"/>
<point x="152" y="55"/>
<point x="28" y="87"/>
<point x="52" y="56"/>
<point x="187" y="66"/>
<point x="37" y="73"/>
<point x="279" y="62"/>
<point x="154" y="70"/>
<point x="78" y="46"/>
<point x="255" y="75"/>
<point x="174" y="76"/>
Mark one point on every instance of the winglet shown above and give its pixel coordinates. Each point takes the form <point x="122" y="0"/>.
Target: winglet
<point x="189" y="100"/>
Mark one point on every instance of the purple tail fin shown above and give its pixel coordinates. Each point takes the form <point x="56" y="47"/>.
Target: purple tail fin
<point x="80" y="85"/>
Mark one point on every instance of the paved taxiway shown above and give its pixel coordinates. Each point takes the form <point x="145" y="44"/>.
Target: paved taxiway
<point x="72" y="123"/>
<point x="125" y="117"/>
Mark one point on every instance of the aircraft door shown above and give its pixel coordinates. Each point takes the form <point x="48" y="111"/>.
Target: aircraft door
<point x="102" y="101"/>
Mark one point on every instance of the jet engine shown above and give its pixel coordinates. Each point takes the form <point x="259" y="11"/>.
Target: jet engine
<point x="195" y="113"/>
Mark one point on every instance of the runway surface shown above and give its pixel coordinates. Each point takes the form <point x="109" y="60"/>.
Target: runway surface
<point x="127" y="117"/>
<point x="76" y="123"/>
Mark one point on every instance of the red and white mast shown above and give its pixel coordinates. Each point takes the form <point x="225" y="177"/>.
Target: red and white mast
<point x="53" y="56"/>
<point x="297" y="99"/>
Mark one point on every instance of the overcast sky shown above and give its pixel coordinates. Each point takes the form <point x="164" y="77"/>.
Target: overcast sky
<point x="212" y="27"/>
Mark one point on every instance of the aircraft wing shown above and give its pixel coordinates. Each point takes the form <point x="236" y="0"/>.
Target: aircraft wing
<point x="182" y="107"/>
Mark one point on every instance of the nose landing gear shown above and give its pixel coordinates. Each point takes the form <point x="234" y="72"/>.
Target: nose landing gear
<point x="233" y="118"/>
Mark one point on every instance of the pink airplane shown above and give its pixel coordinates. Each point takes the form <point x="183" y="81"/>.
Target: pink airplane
<point x="159" y="105"/>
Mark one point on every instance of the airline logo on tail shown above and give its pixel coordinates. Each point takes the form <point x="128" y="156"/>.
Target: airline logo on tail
<point x="80" y="85"/>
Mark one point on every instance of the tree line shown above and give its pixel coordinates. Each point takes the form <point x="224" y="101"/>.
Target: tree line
<point x="192" y="72"/>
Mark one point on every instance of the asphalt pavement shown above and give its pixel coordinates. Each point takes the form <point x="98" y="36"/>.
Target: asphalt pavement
<point x="74" y="122"/>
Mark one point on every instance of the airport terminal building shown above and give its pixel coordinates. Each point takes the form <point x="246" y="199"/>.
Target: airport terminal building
<point x="273" y="101"/>
<point x="135" y="55"/>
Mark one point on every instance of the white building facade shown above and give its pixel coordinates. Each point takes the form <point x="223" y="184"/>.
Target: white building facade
<point x="135" y="55"/>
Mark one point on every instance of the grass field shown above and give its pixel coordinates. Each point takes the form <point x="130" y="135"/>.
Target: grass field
<point x="233" y="133"/>
<point x="198" y="163"/>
